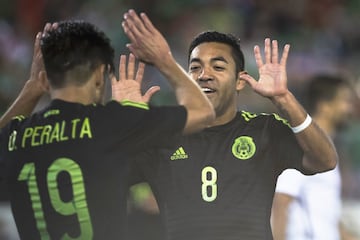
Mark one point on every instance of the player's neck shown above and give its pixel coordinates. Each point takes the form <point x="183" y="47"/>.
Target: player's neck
<point x="87" y="93"/>
<point x="224" y="118"/>
<point x="73" y="94"/>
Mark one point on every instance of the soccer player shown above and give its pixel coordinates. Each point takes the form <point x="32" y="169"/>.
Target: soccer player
<point x="63" y="164"/>
<point x="309" y="207"/>
<point x="219" y="183"/>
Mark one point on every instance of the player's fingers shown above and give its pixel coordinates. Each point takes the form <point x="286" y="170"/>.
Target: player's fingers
<point x="285" y="55"/>
<point x="127" y="31"/>
<point x="36" y="64"/>
<point x="131" y="67"/>
<point x="132" y="49"/>
<point x="267" y="50"/>
<point x="138" y="23"/>
<point x="55" y="25"/>
<point x="257" y="54"/>
<point x="122" y="68"/>
<point x="275" y="51"/>
<point x="148" y="24"/>
<point x="131" y="30"/>
<point x="150" y="92"/>
<point x="140" y="72"/>
<point x="37" y="44"/>
<point x="47" y="28"/>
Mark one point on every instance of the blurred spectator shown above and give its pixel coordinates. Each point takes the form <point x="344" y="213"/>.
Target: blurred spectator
<point x="299" y="210"/>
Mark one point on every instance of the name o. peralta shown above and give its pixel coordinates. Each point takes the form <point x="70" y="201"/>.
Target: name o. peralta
<point x="56" y="132"/>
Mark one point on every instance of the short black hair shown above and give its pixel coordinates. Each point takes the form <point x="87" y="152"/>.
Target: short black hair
<point x="322" y="87"/>
<point x="75" y="46"/>
<point x="229" y="39"/>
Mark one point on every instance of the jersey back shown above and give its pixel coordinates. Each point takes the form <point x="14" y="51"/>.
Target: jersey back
<point x="67" y="166"/>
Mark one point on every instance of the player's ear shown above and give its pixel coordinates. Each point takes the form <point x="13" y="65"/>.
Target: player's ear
<point x="100" y="79"/>
<point x="98" y="83"/>
<point x="240" y="83"/>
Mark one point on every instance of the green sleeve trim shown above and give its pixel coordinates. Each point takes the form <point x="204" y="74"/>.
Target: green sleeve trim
<point x="248" y="115"/>
<point x="126" y="102"/>
<point x="281" y="119"/>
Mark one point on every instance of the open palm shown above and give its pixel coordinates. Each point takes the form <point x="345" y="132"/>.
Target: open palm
<point x="272" y="73"/>
<point x="128" y="87"/>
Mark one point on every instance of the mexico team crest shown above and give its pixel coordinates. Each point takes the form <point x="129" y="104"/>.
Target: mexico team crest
<point x="243" y="147"/>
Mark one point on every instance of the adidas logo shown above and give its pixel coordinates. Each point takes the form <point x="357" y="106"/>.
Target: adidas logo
<point x="179" y="154"/>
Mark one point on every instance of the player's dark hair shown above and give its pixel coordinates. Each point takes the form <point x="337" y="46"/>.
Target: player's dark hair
<point x="322" y="87"/>
<point x="229" y="39"/>
<point x="75" y="47"/>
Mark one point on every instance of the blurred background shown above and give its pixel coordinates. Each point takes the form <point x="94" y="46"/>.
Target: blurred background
<point x="324" y="37"/>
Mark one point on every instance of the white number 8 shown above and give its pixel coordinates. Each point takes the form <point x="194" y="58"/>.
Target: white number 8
<point x="209" y="187"/>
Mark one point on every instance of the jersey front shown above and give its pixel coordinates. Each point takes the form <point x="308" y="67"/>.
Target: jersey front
<point x="219" y="183"/>
<point x="67" y="166"/>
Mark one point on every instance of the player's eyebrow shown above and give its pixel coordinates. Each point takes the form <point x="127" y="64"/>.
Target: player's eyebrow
<point x="214" y="59"/>
<point x="219" y="58"/>
<point x="195" y="60"/>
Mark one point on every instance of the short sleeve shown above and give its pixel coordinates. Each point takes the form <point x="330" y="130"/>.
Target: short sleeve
<point x="137" y="128"/>
<point x="290" y="182"/>
<point x="288" y="150"/>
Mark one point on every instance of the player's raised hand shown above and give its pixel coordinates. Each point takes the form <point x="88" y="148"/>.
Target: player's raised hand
<point x="38" y="80"/>
<point x="128" y="87"/>
<point x="37" y="84"/>
<point x="147" y="43"/>
<point x="35" y="87"/>
<point x="272" y="73"/>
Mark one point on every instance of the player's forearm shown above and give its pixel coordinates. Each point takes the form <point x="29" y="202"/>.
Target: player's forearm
<point x="279" y="216"/>
<point x="320" y="153"/>
<point x="24" y="104"/>
<point x="188" y="94"/>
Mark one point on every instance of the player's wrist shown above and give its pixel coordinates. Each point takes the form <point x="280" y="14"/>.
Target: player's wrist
<point x="164" y="61"/>
<point x="305" y="124"/>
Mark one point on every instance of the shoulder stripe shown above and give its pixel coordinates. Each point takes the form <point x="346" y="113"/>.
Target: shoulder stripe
<point x="248" y="115"/>
<point x="278" y="118"/>
<point x="283" y="120"/>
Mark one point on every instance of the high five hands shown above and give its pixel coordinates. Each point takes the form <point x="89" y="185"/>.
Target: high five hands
<point x="272" y="73"/>
<point x="147" y="43"/>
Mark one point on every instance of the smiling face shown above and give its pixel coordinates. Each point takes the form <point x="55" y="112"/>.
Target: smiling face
<point x="211" y="64"/>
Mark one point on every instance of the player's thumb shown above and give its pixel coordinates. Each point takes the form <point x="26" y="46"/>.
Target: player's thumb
<point x="150" y="92"/>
